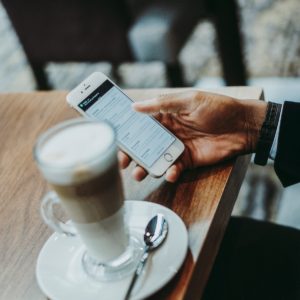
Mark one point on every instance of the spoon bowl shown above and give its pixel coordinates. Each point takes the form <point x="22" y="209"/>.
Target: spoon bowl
<point x="156" y="231"/>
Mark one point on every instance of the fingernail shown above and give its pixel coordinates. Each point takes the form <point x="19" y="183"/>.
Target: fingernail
<point x="171" y="173"/>
<point x="144" y="102"/>
<point x="171" y="180"/>
<point x="137" y="104"/>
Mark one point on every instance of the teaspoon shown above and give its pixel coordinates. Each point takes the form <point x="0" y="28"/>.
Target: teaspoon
<point x="155" y="233"/>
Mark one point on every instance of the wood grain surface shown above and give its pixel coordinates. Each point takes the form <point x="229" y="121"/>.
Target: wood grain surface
<point x="203" y="198"/>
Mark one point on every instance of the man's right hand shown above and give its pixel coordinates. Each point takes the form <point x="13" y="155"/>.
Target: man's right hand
<point x="212" y="127"/>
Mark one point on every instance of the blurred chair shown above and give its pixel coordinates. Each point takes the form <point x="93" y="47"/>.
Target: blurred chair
<point x="225" y="15"/>
<point x="77" y="30"/>
<point x="162" y="27"/>
<point x="118" y="31"/>
<point x="159" y="32"/>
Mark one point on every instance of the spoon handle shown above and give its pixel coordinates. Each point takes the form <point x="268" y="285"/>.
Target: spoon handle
<point x="138" y="271"/>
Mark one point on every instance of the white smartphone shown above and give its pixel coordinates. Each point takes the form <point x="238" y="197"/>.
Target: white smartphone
<point x="142" y="137"/>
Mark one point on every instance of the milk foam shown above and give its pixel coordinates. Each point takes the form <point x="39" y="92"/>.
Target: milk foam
<point x="77" y="152"/>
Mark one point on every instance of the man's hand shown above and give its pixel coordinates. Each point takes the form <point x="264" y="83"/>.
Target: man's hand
<point x="212" y="127"/>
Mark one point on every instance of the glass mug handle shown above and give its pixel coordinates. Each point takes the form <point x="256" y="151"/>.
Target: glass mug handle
<point x="48" y="202"/>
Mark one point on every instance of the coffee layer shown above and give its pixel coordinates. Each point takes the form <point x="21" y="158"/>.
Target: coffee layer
<point x="95" y="199"/>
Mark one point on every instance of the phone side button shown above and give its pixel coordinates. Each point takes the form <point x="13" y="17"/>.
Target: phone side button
<point x="168" y="157"/>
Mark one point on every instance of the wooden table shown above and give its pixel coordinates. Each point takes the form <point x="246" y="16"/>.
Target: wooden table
<point x="203" y="198"/>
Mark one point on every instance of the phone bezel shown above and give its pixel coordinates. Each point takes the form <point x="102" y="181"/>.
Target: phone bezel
<point x="86" y="87"/>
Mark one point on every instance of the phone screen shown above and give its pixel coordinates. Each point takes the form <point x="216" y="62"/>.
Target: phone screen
<point x="136" y="132"/>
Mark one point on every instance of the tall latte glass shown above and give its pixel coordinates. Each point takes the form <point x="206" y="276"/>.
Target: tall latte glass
<point x="79" y="160"/>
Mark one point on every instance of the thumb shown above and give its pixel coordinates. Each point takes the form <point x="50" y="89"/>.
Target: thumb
<point x="163" y="104"/>
<point x="174" y="171"/>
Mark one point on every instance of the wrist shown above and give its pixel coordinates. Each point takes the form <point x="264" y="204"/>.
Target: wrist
<point x="255" y="113"/>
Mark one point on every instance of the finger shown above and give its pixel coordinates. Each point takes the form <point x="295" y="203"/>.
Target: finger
<point x="158" y="116"/>
<point x="139" y="173"/>
<point x="174" y="171"/>
<point x="124" y="160"/>
<point x="164" y="104"/>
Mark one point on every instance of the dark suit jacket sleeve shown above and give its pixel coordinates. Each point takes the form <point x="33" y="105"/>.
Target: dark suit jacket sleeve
<point x="287" y="160"/>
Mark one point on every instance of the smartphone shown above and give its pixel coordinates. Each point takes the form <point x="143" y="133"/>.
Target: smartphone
<point x="142" y="137"/>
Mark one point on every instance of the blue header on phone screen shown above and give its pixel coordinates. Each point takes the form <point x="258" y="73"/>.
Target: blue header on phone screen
<point x="98" y="92"/>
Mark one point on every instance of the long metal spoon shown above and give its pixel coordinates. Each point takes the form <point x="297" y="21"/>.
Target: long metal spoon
<point x="155" y="233"/>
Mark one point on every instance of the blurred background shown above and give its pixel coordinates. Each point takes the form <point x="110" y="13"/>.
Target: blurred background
<point x="143" y="44"/>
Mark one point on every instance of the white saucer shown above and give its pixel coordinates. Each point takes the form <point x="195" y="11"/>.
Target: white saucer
<point x="60" y="275"/>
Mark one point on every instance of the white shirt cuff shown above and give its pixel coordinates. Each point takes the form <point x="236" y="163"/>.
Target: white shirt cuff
<point x="273" y="151"/>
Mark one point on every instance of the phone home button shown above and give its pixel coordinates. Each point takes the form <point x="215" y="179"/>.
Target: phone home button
<point x="168" y="157"/>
